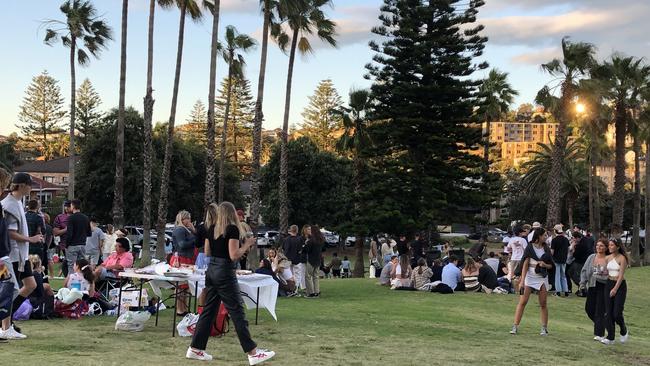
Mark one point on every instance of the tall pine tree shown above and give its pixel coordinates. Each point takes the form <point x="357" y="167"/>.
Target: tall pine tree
<point x="42" y="111"/>
<point x="240" y="124"/>
<point x="423" y="96"/>
<point x="321" y="121"/>
<point x="88" y="115"/>
<point x="197" y="124"/>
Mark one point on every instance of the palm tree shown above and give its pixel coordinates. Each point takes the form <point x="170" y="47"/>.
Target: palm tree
<point x="148" y="116"/>
<point x="118" y="189"/>
<point x="618" y="80"/>
<point x="84" y="33"/>
<point x="304" y="20"/>
<point x="593" y="122"/>
<point x="571" y="176"/>
<point x="235" y="43"/>
<point x="644" y="132"/>
<point x="577" y="58"/>
<point x="354" y="139"/>
<point x="187" y="8"/>
<point x="214" y="8"/>
<point x="498" y="94"/>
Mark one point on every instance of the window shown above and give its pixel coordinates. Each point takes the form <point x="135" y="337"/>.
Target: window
<point x="48" y="179"/>
<point x="64" y="180"/>
<point x="44" y="197"/>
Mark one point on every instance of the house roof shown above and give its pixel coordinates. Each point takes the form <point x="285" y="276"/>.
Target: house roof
<point x="50" y="166"/>
<point x="40" y="184"/>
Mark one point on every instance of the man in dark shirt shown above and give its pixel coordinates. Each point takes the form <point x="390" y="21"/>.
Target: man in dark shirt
<point x="418" y="248"/>
<point x="402" y="246"/>
<point x="78" y="229"/>
<point x="487" y="277"/>
<point x="35" y="226"/>
<point x="560" y="251"/>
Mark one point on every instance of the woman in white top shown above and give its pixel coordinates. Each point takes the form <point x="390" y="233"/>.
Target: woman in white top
<point x="109" y="242"/>
<point x="83" y="278"/>
<point x="282" y="269"/>
<point x="536" y="263"/>
<point x="615" y="291"/>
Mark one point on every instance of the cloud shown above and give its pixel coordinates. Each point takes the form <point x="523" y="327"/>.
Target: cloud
<point x="537" y="57"/>
<point x="241" y="6"/>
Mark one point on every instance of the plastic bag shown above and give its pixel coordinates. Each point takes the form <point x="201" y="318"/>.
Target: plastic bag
<point x="132" y="321"/>
<point x="67" y="296"/>
<point x="24" y="311"/>
<point x="187" y="325"/>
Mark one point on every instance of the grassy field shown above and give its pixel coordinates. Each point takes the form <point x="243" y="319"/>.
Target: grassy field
<point x="357" y="322"/>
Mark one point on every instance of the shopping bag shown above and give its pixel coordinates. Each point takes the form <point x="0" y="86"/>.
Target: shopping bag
<point x="187" y="325"/>
<point x="132" y="321"/>
<point x="24" y="311"/>
<point x="130" y="298"/>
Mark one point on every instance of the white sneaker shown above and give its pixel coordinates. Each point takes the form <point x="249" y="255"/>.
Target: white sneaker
<point x="543" y="332"/>
<point x="598" y="338"/>
<point x="606" y="341"/>
<point x="11" y="333"/>
<point x="195" y="354"/>
<point x="513" y="331"/>
<point x="260" y="356"/>
<point x="625" y="337"/>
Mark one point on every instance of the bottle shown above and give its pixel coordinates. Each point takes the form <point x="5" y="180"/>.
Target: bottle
<point x="175" y="261"/>
<point x="75" y="284"/>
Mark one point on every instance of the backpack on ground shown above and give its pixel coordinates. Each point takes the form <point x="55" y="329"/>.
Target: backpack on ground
<point x="221" y="323"/>
<point x="76" y="310"/>
<point x="43" y="307"/>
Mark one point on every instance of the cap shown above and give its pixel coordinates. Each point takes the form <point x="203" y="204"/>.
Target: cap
<point x="536" y="225"/>
<point x="67" y="203"/>
<point x="558" y="228"/>
<point x="21" y="178"/>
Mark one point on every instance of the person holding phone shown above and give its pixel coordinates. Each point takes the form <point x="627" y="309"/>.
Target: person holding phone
<point x="222" y="246"/>
<point x="537" y="260"/>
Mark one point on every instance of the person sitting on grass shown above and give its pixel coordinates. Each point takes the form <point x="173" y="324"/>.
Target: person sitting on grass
<point x="335" y="265"/>
<point x="117" y="261"/>
<point x="346" y="266"/>
<point x="385" y="276"/>
<point x="282" y="269"/>
<point x="421" y="274"/>
<point x="401" y="273"/>
<point x="436" y="270"/>
<point x="42" y="283"/>
<point x="470" y="276"/>
<point x="487" y="278"/>
<point x="452" y="278"/>
<point x="83" y="277"/>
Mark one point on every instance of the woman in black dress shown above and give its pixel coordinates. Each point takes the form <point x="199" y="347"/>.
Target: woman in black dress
<point x="222" y="246"/>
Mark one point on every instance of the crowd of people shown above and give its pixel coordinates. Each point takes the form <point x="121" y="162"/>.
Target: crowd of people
<point x="534" y="261"/>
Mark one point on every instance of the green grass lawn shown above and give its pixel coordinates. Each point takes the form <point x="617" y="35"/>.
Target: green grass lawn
<point x="357" y="322"/>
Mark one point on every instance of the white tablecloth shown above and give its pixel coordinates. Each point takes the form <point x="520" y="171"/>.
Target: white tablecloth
<point x="248" y="284"/>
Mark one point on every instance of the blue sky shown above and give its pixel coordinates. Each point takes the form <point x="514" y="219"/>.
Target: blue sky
<point x="523" y="34"/>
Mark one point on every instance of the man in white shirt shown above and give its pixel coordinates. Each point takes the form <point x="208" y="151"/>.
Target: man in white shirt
<point x="515" y="248"/>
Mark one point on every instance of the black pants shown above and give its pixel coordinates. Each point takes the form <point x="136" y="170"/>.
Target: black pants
<point x="221" y="286"/>
<point x="614" y="309"/>
<point x="595" y="307"/>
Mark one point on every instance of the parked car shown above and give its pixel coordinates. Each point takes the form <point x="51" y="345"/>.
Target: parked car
<point x="267" y="237"/>
<point x="136" y="236"/>
<point x="331" y="239"/>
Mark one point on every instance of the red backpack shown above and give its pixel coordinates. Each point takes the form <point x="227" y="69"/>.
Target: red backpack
<point x="221" y="323"/>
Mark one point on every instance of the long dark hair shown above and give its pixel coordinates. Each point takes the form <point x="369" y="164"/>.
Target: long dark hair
<point x="537" y="234"/>
<point x="84" y="267"/>
<point x="316" y="236"/>
<point x="621" y="249"/>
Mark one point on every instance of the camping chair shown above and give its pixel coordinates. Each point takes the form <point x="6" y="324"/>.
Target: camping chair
<point x="104" y="287"/>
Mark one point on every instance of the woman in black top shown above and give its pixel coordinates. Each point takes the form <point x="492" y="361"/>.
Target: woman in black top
<point x="314" y="249"/>
<point x="222" y="246"/>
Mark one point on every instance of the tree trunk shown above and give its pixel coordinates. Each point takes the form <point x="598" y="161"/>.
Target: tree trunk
<point x="619" y="177"/>
<point x="73" y="101"/>
<point x="636" y="214"/>
<point x="224" y="133"/>
<point x="592" y="218"/>
<point x="147" y="156"/>
<point x="570" y="204"/>
<point x="234" y="138"/>
<point x="284" y="158"/>
<point x="359" y="263"/>
<point x="257" y="124"/>
<point x="118" y="199"/>
<point x="553" y="211"/>
<point x="647" y="201"/>
<point x="210" y="173"/>
<point x="597" y="229"/>
<point x="169" y="145"/>
<point x="486" y="167"/>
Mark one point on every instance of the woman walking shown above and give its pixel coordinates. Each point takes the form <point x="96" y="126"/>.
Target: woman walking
<point x="537" y="261"/>
<point x="615" y="291"/>
<point x="313" y="248"/>
<point x="593" y="277"/>
<point x="222" y="246"/>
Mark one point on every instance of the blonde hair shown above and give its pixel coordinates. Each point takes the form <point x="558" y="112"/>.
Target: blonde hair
<point x="210" y="215"/>
<point x="35" y="260"/>
<point x="110" y="229"/>
<point x="182" y="215"/>
<point x="5" y="178"/>
<point x="226" y="215"/>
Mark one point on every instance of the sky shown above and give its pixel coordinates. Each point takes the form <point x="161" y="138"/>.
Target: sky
<point x="522" y="35"/>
